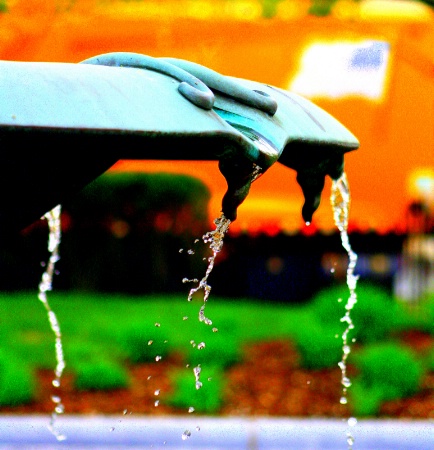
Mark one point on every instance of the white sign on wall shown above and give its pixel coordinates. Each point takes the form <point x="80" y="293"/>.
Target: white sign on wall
<point x="343" y="69"/>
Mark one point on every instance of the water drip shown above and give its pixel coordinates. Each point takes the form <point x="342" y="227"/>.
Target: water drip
<point x="186" y="435"/>
<point x="54" y="226"/>
<point x="196" y="372"/>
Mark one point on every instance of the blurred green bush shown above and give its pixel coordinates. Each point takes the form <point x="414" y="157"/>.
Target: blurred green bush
<point x="319" y="345"/>
<point x="17" y="380"/>
<point x="124" y="232"/>
<point x="207" y="399"/>
<point x="100" y="375"/>
<point x="375" y="315"/>
<point x="217" y="349"/>
<point x="387" y="371"/>
<point x="143" y="342"/>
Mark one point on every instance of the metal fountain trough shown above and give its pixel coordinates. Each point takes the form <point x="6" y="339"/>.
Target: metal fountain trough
<point x="62" y="125"/>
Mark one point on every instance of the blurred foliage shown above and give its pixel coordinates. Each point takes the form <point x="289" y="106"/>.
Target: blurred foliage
<point x="124" y="231"/>
<point x="143" y="342"/>
<point x="269" y="7"/>
<point x="207" y="399"/>
<point x="107" y="333"/>
<point x="136" y="197"/>
<point x="424" y="315"/>
<point x="17" y="381"/>
<point x="387" y="371"/>
<point x="3" y="6"/>
<point x="100" y="375"/>
<point x="321" y="7"/>
<point x="319" y="346"/>
<point x="428" y="2"/>
<point x="220" y="349"/>
<point x="375" y="315"/>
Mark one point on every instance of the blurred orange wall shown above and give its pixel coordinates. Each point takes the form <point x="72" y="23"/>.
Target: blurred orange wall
<point x="396" y="135"/>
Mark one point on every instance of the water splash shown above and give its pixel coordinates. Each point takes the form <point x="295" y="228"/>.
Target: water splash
<point x="215" y="241"/>
<point x="54" y="226"/>
<point x="186" y="435"/>
<point x="196" y="371"/>
<point x="340" y="199"/>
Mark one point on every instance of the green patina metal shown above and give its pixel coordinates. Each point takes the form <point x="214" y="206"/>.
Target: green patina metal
<point x="62" y="125"/>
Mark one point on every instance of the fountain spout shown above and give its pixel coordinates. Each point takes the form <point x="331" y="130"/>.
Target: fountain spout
<point x="62" y="125"/>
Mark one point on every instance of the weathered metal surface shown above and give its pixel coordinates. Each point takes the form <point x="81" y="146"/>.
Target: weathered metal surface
<point x="62" y="125"/>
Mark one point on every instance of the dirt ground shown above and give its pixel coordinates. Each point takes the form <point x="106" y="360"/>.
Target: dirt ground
<point x="268" y="382"/>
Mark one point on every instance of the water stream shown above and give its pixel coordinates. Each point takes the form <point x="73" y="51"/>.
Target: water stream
<point x="54" y="226"/>
<point x="340" y="199"/>
<point x="215" y="241"/>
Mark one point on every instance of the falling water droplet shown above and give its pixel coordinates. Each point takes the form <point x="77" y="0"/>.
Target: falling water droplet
<point x="214" y="330"/>
<point x="60" y="409"/>
<point x="157" y="392"/>
<point x="190" y="252"/>
<point x="149" y="377"/>
<point x="343" y="401"/>
<point x="201" y="346"/>
<point x="157" y="324"/>
<point x="185" y="318"/>
<point x="156" y="403"/>
<point x="150" y="342"/>
<point x="352" y="421"/>
<point x="191" y="409"/>
<point x="197" y="428"/>
<point x="55" y="399"/>
<point x="158" y="358"/>
<point x="112" y="429"/>
<point x="196" y="372"/>
<point x="186" y="435"/>
<point x="181" y="250"/>
<point x="125" y="412"/>
<point x="308" y="224"/>
<point x="346" y="382"/>
<point x="332" y="270"/>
